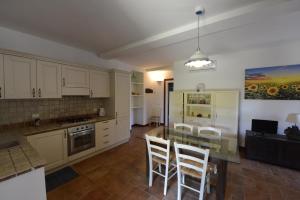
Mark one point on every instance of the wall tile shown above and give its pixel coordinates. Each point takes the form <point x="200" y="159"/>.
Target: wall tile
<point x="16" y="111"/>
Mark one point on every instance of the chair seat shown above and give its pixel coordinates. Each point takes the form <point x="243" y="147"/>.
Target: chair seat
<point x="163" y="161"/>
<point x="211" y="168"/>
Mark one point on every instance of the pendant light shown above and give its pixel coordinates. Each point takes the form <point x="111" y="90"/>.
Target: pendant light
<point x="199" y="61"/>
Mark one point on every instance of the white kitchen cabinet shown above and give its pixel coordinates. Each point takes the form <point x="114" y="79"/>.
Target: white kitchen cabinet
<point x="226" y="111"/>
<point x="52" y="146"/>
<point x="122" y="105"/>
<point x="1" y="77"/>
<point x="99" y="84"/>
<point x="122" y="128"/>
<point x="48" y="80"/>
<point x="75" y="81"/>
<point x="105" y="134"/>
<point x="20" y="77"/>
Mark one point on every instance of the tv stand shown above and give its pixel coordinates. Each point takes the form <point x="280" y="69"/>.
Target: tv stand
<point x="273" y="149"/>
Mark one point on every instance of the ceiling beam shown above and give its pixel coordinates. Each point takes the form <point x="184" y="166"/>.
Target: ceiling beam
<point x="222" y="22"/>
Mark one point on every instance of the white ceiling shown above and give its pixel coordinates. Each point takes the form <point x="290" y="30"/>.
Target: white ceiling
<point x="153" y="33"/>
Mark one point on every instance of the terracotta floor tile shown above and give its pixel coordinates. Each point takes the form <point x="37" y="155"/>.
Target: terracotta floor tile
<point x="119" y="173"/>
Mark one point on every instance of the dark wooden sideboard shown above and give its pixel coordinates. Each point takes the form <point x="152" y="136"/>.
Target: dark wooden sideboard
<point x="274" y="149"/>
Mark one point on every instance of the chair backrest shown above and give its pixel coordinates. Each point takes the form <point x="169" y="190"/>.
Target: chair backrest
<point x="188" y="160"/>
<point x="155" y="111"/>
<point x="216" y="131"/>
<point x="185" y="126"/>
<point x="158" y="147"/>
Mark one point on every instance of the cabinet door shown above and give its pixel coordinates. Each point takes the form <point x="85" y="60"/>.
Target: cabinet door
<point x="123" y="129"/>
<point x="122" y="94"/>
<point x="226" y="111"/>
<point x="48" y="80"/>
<point x="1" y="78"/>
<point x="19" y="77"/>
<point x="74" y="77"/>
<point x="51" y="146"/>
<point x="105" y="132"/>
<point x="99" y="84"/>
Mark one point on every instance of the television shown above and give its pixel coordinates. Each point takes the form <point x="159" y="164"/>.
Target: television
<point x="264" y="126"/>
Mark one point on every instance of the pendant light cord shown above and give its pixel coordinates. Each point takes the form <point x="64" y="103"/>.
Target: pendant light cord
<point x="198" y="33"/>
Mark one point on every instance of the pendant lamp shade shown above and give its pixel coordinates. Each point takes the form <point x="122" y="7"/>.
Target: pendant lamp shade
<point x="199" y="61"/>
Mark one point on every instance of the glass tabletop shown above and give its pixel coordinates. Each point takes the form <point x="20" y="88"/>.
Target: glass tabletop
<point x="221" y="147"/>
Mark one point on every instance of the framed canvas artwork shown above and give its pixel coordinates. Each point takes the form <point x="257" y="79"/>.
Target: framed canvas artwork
<point x="277" y="83"/>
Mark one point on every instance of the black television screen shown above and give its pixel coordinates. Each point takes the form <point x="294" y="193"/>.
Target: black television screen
<point x="264" y="126"/>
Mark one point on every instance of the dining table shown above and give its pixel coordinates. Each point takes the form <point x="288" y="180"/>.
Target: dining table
<point x="222" y="149"/>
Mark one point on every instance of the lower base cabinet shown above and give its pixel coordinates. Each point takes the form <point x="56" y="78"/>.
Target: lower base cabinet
<point x="105" y="134"/>
<point x="52" y="146"/>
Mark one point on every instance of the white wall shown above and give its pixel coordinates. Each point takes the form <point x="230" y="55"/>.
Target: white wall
<point x="230" y="74"/>
<point x="156" y="99"/>
<point x="17" y="41"/>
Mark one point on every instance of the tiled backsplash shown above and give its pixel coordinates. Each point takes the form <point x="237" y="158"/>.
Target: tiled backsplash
<point x="17" y="111"/>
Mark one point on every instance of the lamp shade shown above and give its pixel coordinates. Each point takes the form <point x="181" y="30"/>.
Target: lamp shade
<point x="293" y="118"/>
<point x="199" y="61"/>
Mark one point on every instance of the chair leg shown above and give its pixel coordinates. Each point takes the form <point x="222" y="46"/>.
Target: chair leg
<point x="150" y="175"/>
<point x="178" y="186"/>
<point x="166" y="179"/>
<point x="208" y="184"/>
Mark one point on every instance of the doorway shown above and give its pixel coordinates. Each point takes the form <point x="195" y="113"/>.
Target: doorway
<point x="168" y="87"/>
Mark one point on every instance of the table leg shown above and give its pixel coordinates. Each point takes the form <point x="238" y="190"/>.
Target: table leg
<point x="147" y="163"/>
<point x="221" y="183"/>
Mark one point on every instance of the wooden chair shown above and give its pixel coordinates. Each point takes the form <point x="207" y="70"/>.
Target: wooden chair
<point x="192" y="166"/>
<point x="178" y="126"/>
<point x="159" y="153"/>
<point x="216" y="131"/>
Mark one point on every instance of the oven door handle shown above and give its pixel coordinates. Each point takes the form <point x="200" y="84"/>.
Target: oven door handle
<point x="81" y="133"/>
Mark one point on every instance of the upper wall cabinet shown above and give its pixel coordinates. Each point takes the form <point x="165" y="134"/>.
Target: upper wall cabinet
<point x="99" y="84"/>
<point x="75" y="81"/>
<point x="48" y="80"/>
<point x="20" y="77"/>
<point x="1" y="77"/>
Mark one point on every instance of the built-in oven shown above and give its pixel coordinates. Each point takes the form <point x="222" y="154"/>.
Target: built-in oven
<point x="81" y="138"/>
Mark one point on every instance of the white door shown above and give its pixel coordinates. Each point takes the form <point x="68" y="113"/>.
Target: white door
<point x="51" y="146"/>
<point x="122" y="103"/>
<point x="226" y="111"/>
<point x="99" y="84"/>
<point x="48" y="80"/>
<point x="176" y="108"/>
<point x="1" y="77"/>
<point x="19" y="77"/>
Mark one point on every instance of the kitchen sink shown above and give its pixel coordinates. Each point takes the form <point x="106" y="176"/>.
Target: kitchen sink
<point x="9" y="144"/>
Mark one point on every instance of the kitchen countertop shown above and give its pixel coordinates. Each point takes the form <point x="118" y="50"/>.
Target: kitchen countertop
<point x="17" y="156"/>
<point x="49" y="126"/>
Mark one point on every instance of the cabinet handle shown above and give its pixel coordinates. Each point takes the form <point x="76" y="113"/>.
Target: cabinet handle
<point x="105" y="135"/>
<point x="65" y="135"/>
<point x="64" y="82"/>
<point x="33" y="92"/>
<point x="105" y="122"/>
<point x="105" y="129"/>
<point x="40" y="92"/>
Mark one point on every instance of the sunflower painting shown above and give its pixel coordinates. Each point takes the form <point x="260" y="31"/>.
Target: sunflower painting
<point x="279" y="83"/>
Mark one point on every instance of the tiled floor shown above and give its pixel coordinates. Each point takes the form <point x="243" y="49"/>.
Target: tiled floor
<point x="120" y="174"/>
